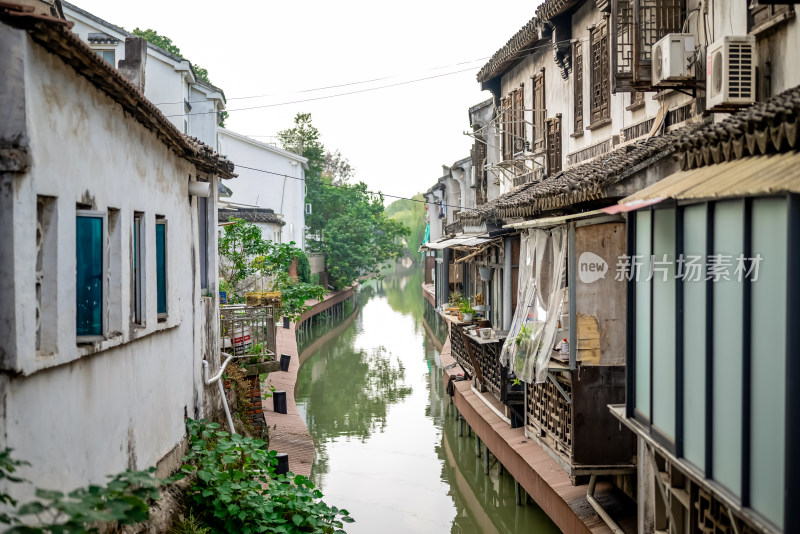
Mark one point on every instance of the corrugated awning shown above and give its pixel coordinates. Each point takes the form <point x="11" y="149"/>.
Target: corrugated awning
<point x="460" y="241"/>
<point x="754" y="176"/>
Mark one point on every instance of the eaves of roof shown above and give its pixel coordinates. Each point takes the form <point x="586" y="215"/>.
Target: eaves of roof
<point x="504" y="58"/>
<point x="55" y="36"/>
<point x="255" y="215"/>
<point x="481" y="105"/>
<point x="581" y="183"/>
<point x="763" y="128"/>
<point x="553" y="8"/>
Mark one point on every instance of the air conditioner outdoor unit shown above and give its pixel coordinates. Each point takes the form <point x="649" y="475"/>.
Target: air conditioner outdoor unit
<point x="731" y="72"/>
<point x="671" y="56"/>
<point x="308" y="209"/>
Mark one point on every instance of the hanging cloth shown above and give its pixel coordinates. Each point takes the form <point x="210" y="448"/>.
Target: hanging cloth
<point x="542" y="280"/>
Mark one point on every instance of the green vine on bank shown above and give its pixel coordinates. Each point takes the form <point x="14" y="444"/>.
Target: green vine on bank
<point x="236" y="489"/>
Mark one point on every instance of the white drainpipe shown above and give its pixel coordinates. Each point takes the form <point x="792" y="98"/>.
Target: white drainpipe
<point x="218" y="379"/>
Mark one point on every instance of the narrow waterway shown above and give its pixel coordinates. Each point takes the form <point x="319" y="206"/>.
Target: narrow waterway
<point x="370" y="389"/>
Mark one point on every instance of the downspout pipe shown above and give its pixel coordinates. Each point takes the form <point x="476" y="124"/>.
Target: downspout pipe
<point x="218" y="379"/>
<point x="599" y="509"/>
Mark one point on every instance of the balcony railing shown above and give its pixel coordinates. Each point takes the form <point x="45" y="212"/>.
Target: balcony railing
<point x="248" y="330"/>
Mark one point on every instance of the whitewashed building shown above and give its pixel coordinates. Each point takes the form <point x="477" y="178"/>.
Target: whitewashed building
<point x="172" y="85"/>
<point x="269" y="178"/>
<point x="108" y="268"/>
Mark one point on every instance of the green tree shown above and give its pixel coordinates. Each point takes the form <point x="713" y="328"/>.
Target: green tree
<point x="347" y="223"/>
<point x="412" y="215"/>
<point x="161" y="41"/>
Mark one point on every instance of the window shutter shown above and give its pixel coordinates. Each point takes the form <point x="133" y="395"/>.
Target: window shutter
<point x="539" y="112"/>
<point x="554" y="144"/>
<point x="577" y="55"/>
<point x="600" y="73"/>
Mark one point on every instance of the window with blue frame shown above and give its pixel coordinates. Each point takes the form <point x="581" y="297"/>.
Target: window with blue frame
<point x="90" y="277"/>
<point x="161" y="267"/>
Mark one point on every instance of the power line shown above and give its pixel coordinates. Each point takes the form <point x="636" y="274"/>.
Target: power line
<point x="328" y="96"/>
<point x="343" y="185"/>
<point x="347" y="84"/>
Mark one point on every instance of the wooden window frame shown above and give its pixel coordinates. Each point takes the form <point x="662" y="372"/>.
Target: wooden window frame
<point x="554" y="151"/>
<point x="162" y="221"/>
<point x="600" y="96"/>
<point x="577" y="58"/>
<point x="539" y="105"/>
<point x="636" y="25"/>
<point x="758" y="22"/>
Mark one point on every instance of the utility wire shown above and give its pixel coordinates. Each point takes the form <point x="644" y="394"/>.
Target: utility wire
<point x="347" y="84"/>
<point x="549" y="45"/>
<point x="343" y="185"/>
<point x="327" y="96"/>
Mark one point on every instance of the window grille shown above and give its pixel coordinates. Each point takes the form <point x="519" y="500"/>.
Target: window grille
<point x="539" y="112"/>
<point x="577" y="55"/>
<point x="600" y="83"/>
<point x="637" y="25"/>
<point x="554" y="144"/>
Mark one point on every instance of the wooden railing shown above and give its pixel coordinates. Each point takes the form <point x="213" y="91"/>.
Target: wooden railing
<point x="549" y="415"/>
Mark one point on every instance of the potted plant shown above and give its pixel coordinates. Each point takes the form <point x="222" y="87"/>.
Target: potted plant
<point x="467" y="311"/>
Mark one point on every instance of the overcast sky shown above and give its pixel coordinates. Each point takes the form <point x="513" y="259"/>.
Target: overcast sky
<point x="396" y="138"/>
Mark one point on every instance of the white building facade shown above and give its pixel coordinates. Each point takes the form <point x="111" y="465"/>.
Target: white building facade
<point x="269" y="178"/>
<point x="109" y="268"/>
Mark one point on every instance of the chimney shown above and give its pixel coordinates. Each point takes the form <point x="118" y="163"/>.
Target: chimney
<point x="132" y="67"/>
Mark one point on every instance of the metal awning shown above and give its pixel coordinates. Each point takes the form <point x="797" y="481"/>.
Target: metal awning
<point x="460" y="241"/>
<point x="753" y="176"/>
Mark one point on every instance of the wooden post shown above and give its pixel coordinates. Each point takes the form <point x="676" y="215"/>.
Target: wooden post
<point x="517" y="494"/>
<point x="485" y="459"/>
<point x="477" y="446"/>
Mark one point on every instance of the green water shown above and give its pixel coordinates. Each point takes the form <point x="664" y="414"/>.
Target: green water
<point x="387" y="440"/>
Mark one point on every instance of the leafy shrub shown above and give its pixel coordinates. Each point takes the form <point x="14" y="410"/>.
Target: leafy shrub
<point x="237" y="490"/>
<point x="124" y="500"/>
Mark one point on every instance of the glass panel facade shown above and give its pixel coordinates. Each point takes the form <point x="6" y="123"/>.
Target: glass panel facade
<point x="727" y="354"/>
<point x="89" y="275"/>
<point x="768" y="350"/>
<point x="161" y="268"/>
<point x="694" y="334"/>
<point x="642" y="300"/>
<point x="664" y="321"/>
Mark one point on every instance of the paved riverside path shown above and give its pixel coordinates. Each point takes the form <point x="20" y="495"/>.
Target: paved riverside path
<point x="288" y="432"/>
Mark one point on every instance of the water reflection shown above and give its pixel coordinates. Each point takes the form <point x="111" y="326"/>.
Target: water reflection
<point x="387" y="444"/>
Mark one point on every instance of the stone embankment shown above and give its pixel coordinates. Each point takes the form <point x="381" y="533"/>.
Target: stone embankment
<point x="288" y="432"/>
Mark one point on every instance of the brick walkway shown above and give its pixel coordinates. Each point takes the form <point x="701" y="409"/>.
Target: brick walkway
<point x="288" y="432"/>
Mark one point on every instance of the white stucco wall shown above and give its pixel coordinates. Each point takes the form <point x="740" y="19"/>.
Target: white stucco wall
<point x="283" y="191"/>
<point x="82" y="412"/>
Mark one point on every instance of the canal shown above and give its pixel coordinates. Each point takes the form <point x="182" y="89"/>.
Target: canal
<point x="370" y="389"/>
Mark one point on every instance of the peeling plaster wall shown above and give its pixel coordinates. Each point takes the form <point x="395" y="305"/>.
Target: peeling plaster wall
<point x="83" y="412"/>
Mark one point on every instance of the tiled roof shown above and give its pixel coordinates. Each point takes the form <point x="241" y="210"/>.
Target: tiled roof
<point x="581" y="183"/>
<point x="506" y="56"/>
<point x="254" y="215"/>
<point x="763" y="128"/>
<point x="552" y="8"/>
<point x="102" y="38"/>
<point x="55" y="36"/>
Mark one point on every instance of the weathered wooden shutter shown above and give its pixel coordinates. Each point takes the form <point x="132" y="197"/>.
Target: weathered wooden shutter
<point x="506" y="124"/>
<point x="554" y="144"/>
<point x="600" y="73"/>
<point x="539" y="112"/>
<point x="519" y="119"/>
<point x="577" y="58"/>
<point x="761" y="17"/>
